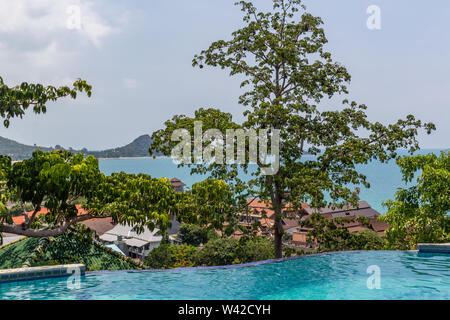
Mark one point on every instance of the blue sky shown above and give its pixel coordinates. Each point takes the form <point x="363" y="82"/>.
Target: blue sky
<point x="137" y="55"/>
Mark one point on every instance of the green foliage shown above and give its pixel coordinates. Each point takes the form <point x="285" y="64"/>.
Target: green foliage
<point x="227" y="251"/>
<point x="420" y="214"/>
<point x="218" y="252"/>
<point x="59" y="180"/>
<point x="210" y="204"/>
<point x="195" y="235"/>
<point x="138" y="200"/>
<point x="281" y="59"/>
<point x="14" y="101"/>
<point x="17" y="209"/>
<point x="64" y="249"/>
<point x="368" y="240"/>
<point x="18" y="151"/>
<point x="54" y="179"/>
<point x="168" y="256"/>
<point x="289" y="252"/>
<point x="252" y="249"/>
<point x="331" y="235"/>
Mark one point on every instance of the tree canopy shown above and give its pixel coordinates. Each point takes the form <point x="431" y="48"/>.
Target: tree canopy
<point x="14" y="101"/>
<point x="420" y="213"/>
<point x="288" y="77"/>
<point x="58" y="180"/>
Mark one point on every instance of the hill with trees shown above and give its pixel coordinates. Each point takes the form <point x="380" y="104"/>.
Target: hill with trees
<point x="18" y="151"/>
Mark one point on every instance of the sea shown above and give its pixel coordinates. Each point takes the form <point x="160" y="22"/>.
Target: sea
<point x="384" y="178"/>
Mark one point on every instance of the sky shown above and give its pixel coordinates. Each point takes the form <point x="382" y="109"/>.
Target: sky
<point x="137" y="55"/>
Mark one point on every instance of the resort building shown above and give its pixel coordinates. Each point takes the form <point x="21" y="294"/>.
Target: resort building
<point x="121" y="238"/>
<point x="261" y="211"/>
<point x="133" y="244"/>
<point x="178" y="185"/>
<point x="299" y="234"/>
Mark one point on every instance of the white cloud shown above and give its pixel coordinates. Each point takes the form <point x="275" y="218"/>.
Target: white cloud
<point x="129" y="83"/>
<point x="50" y="18"/>
<point x="38" y="41"/>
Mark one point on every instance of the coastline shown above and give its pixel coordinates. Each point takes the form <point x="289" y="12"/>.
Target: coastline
<point x="122" y="158"/>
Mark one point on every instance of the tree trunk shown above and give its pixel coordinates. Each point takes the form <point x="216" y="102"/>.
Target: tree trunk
<point x="278" y="234"/>
<point x="42" y="233"/>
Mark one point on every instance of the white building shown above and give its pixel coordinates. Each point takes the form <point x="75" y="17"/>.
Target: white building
<point x="133" y="244"/>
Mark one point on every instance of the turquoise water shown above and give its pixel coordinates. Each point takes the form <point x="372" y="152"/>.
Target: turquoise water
<point x="403" y="275"/>
<point x="384" y="178"/>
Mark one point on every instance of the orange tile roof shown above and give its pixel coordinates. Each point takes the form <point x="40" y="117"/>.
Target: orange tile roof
<point x="21" y="219"/>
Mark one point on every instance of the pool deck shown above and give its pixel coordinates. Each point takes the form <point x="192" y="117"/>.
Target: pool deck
<point x="434" y="247"/>
<point x="27" y="274"/>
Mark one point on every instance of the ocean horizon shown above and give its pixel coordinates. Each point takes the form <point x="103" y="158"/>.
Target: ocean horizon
<point x="384" y="178"/>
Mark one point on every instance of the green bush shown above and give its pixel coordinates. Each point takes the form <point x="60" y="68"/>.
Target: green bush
<point x="168" y="256"/>
<point x="217" y="252"/>
<point x="369" y="240"/>
<point x="17" y="209"/>
<point x="195" y="235"/>
<point x="255" y="249"/>
<point x="227" y="251"/>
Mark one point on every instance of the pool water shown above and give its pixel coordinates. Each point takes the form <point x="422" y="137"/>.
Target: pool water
<point x="402" y="275"/>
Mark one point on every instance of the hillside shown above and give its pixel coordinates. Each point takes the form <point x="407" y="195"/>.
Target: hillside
<point x="18" y="151"/>
<point x="64" y="249"/>
<point x="137" y="148"/>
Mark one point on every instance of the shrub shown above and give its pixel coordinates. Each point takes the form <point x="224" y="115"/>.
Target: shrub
<point x="217" y="252"/>
<point x="168" y="256"/>
<point x="227" y="251"/>
<point x="289" y="252"/>
<point x="195" y="235"/>
<point x="255" y="249"/>
<point x="369" y="240"/>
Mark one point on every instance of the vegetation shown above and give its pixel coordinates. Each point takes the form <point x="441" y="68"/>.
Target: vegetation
<point x="219" y="252"/>
<point x="281" y="57"/>
<point x="15" y="101"/>
<point x="420" y="214"/>
<point x="58" y="180"/>
<point x="65" y="249"/>
<point x="17" y="151"/>
<point x="226" y="251"/>
<point x="137" y="148"/>
<point x="195" y="235"/>
<point x="168" y="256"/>
<point x="331" y="235"/>
<point x="216" y="252"/>
<point x="210" y="205"/>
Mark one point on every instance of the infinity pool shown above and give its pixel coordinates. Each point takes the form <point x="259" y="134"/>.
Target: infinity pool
<point x="402" y="275"/>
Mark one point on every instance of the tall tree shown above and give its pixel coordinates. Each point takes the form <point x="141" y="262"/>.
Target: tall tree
<point x="287" y="71"/>
<point x="420" y="213"/>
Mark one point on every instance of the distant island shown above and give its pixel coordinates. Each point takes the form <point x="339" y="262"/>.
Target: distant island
<point x="18" y="151"/>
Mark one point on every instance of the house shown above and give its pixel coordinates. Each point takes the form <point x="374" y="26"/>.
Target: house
<point x="362" y="210"/>
<point x="261" y="211"/>
<point x="124" y="237"/>
<point x="99" y="225"/>
<point x="18" y="220"/>
<point x="133" y="244"/>
<point x="178" y="185"/>
<point x="299" y="234"/>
